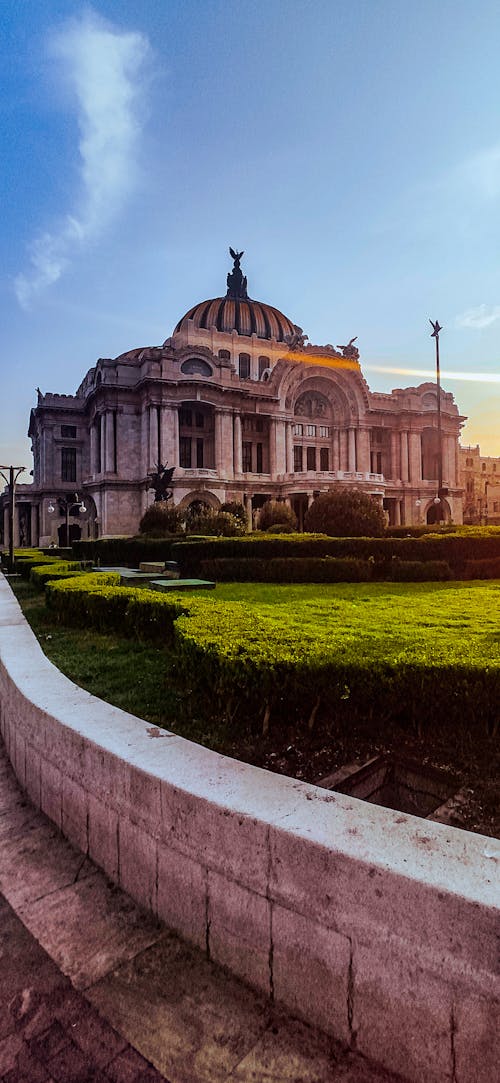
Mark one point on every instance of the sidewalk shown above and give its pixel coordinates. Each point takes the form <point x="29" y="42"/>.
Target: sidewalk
<point x="93" y="990"/>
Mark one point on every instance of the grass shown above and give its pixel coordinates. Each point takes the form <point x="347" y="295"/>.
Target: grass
<point x="439" y="622"/>
<point x="128" y="674"/>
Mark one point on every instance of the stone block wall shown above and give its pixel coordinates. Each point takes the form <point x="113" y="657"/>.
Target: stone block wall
<point x="380" y="928"/>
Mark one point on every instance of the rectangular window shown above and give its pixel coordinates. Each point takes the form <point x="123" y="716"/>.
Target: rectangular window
<point x="68" y="432"/>
<point x="311" y="458"/>
<point x="244" y="366"/>
<point x="324" y="458"/>
<point x="185" y="452"/>
<point x="199" y="452"/>
<point x="200" y="421"/>
<point x="247" y="458"/>
<point x="297" y="458"/>
<point x="258" y="469"/>
<point x="310" y="430"/>
<point x="68" y="464"/>
<point x="185" y="417"/>
<point x="298" y="430"/>
<point x="324" y="430"/>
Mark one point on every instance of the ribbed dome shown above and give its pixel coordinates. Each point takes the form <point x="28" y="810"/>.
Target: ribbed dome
<point x="239" y="314"/>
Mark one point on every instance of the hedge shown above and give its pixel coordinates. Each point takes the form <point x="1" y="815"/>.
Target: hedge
<point x="97" y="600"/>
<point x="455" y="549"/>
<point x="482" y="569"/>
<point x="42" y="573"/>
<point x="415" y="571"/>
<point x="287" y="570"/>
<point x="263" y="665"/>
<point x="124" y="552"/>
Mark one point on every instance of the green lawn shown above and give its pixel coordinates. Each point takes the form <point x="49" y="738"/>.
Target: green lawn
<point x="443" y="622"/>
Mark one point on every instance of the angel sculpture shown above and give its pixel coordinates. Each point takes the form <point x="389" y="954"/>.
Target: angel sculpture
<point x="160" y="481"/>
<point x="297" y="340"/>
<point x="350" y="351"/>
<point x="236" y="280"/>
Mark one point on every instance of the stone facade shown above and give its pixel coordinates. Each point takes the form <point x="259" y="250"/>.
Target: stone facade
<point x="480" y="480"/>
<point x="244" y="410"/>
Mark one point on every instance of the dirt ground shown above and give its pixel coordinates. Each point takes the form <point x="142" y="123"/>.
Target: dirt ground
<point x="474" y="770"/>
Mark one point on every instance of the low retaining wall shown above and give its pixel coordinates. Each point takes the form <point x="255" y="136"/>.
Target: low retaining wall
<point x="379" y="928"/>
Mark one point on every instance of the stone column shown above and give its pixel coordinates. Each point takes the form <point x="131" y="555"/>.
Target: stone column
<point x="102" y="421"/>
<point x="364" y="450"/>
<point x="219" y="449"/>
<point x="351" y="449"/>
<point x="395" y="455"/>
<point x="170" y="435"/>
<point x="153" y="437"/>
<point x="272" y="447"/>
<point x="449" y="472"/>
<point x="237" y="444"/>
<point x="415" y="450"/>
<point x="93" y="449"/>
<point x="248" y="509"/>
<point x="397" y="512"/>
<point x="280" y="431"/>
<point x="34" y="524"/>
<point x="289" y="447"/>
<point x="404" y="456"/>
<point x="335" y="450"/>
<point x="110" y="443"/>
<point x="227" y="444"/>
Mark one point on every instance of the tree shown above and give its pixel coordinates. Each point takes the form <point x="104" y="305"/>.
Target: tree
<point x="276" y="511"/>
<point x="160" y="519"/>
<point x="347" y="513"/>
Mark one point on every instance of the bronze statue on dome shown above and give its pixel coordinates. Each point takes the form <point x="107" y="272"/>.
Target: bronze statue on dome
<point x="350" y="351"/>
<point x="297" y="340"/>
<point x="236" y="280"/>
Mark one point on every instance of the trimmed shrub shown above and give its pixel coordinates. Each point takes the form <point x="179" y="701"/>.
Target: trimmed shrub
<point x="235" y="508"/>
<point x="288" y="570"/>
<point x="216" y="523"/>
<point x="161" y="519"/>
<point x="455" y="549"/>
<point x="43" y="573"/>
<point x="482" y="569"/>
<point x="345" y="513"/>
<point x="414" y="571"/>
<point x="125" y="552"/>
<point x="280" y="528"/>
<point x="275" y="512"/>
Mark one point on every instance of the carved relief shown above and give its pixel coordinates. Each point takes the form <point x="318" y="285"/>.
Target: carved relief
<point x="312" y="404"/>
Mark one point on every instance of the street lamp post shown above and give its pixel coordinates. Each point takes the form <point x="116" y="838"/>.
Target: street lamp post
<point x="66" y="502"/>
<point x="436" y="328"/>
<point x="14" y="472"/>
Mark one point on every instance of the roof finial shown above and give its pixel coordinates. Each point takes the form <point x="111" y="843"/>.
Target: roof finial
<point x="236" y="280"/>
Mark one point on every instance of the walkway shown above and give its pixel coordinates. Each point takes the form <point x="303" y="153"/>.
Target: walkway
<point x="93" y="990"/>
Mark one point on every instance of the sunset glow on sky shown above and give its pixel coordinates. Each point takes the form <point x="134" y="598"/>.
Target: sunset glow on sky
<point x="351" y="149"/>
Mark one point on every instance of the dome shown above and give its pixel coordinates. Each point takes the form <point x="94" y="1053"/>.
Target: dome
<point x="238" y="312"/>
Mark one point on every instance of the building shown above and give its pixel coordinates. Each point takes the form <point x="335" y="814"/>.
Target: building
<point x="244" y="408"/>
<point x="480" y="480"/>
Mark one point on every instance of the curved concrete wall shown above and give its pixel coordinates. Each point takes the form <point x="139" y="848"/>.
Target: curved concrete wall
<point x="380" y="928"/>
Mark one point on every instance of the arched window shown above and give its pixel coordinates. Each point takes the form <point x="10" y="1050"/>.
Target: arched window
<point x="264" y="364"/>
<point x="195" y="366"/>
<point x="224" y="355"/>
<point x="244" y="366"/>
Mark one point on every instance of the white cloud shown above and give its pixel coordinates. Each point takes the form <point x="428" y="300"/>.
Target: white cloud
<point x="479" y="317"/>
<point x="105" y="70"/>
<point x="482" y="172"/>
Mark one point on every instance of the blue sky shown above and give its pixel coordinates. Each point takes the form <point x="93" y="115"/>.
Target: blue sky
<point x="350" y="147"/>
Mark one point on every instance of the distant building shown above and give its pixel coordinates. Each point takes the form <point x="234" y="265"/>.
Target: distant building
<point x="480" y="479"/>
<point x="245" y="409"/>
